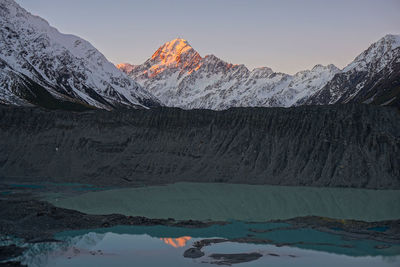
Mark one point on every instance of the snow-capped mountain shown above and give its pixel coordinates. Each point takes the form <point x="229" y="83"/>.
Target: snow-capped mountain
<point x="41" y="66"/>
<point x="180" y="77"/>
<point x="373" y="77"/>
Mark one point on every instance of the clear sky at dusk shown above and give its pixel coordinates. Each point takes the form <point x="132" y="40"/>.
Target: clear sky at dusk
<point x="286" y="35"/>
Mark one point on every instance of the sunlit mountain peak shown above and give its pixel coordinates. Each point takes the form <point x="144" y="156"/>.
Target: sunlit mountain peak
<point x="174" y="54"/>
<point x="171" y="52"/>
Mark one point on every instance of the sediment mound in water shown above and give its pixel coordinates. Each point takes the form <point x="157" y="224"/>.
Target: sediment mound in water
<point x="344" y="146"/>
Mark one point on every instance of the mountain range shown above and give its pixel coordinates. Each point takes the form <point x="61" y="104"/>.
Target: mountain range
<point x="42" y="67"/>
<point x="180" y="77"/>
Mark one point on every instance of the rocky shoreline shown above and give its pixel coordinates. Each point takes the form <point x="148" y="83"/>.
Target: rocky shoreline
<point x="34" y="221"/>
<point x="37" y="221"/>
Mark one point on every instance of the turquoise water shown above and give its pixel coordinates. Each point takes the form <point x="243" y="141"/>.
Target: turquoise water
<point x="164" y="246"/>
<point x="237" y="204"/>
<point x="199" y="201"/>
<point x="301" y="238"/>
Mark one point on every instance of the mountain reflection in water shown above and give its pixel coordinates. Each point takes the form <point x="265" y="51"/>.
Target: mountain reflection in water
<point x="176" y="242"/>
<point x="150" y="249"/>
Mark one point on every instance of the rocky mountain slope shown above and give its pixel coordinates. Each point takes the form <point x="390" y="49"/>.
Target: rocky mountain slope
<point x="373" y="77"/>
<point x="342" y="146"/>
<point x="180" y="77"/>
<point x="41" y="66"/>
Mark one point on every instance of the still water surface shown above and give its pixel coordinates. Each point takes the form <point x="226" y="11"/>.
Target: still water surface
<point x="164" y="246"/>
<point x="208" y="201"/>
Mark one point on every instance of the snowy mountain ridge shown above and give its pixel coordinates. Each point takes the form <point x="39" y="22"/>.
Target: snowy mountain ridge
<point x="372" y="78"/>
<point x="180" y="77"/>
<point x="37" y="62"/>
<point x="381" y="51"/>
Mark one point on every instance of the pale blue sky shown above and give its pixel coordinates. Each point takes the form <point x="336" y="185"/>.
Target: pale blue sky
<point x="286" y="35"/>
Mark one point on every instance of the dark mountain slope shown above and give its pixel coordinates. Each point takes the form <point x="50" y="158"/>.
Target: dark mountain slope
<point x="349" y="145"/>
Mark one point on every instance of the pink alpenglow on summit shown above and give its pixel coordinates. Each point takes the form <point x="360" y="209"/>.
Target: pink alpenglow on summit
<point x="180" y="77"/>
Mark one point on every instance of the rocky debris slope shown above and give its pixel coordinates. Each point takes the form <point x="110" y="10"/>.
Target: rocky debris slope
<point x="41" y="66"/>
<point x="340" y="146"/>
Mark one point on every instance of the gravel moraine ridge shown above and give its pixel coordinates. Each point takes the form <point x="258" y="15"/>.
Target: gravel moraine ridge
<point x="331" y="146"/>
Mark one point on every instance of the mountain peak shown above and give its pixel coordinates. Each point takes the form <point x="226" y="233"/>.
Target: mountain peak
<point x="377" y="55"/>
<point x="171" y="52"/>
<point x="178" y="41"/>
<point x="174" y="54"/>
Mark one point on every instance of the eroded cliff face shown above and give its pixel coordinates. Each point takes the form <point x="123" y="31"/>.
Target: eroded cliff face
<point x="343" y="146"/>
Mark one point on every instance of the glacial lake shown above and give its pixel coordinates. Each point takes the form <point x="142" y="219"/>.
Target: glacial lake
<point x="165" y="246"/>
<point x="246" y="209"/>
<point x="217" y="201"/>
